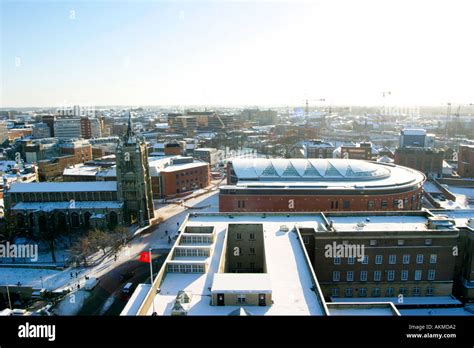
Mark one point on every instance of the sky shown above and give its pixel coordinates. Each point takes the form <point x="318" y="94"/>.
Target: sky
<point x="104" y="52"/>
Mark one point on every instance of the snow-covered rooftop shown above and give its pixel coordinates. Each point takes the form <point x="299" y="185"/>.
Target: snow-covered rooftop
<point x="288" y="273"/>
<point x="50" y="206"/>
<point x="374" y="222"/>
<point x="241" y="283"/>
<point x="89" y="186"/>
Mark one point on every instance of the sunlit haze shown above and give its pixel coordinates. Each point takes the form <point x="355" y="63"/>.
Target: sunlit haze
<point x="235" y="53"/>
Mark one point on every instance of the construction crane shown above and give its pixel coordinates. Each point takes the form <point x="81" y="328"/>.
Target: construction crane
<point x="307" y="104"/>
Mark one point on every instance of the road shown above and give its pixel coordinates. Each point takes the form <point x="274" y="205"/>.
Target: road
<point x="107" y="297"/>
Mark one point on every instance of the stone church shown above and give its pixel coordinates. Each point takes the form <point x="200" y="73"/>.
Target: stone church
<point x="44" y="207"/>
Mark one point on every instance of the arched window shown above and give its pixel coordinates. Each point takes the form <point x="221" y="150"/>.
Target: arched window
<point x="113" y="218"/>
<point x="75" y="222"/>
<point x="87" y="217"/>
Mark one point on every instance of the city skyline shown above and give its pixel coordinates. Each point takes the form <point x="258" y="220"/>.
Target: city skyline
<point x="235" y="53"/>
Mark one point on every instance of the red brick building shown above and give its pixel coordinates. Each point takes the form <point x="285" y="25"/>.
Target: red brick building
<point x="179" y="178"/>
<point x="426" y="160"/>
<point x="466" y="161"/>
<point x="80" y="150"/>
<point x="301" y="185"/>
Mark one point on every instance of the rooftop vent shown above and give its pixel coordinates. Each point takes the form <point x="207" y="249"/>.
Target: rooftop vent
<point x="440" y="222"/>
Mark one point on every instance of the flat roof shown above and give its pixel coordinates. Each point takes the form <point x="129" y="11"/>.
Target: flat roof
<point x="88" y="186"/>
<point x="133" y="305"/>
<point x="407" y="300"/>
<point x="369" y="222"/>
<point x="241" y="283"/>
<point x="49" y="206"/>
<point x="288" y="274"/>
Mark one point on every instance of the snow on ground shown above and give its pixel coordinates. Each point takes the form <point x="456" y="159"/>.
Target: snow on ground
<point x="38" y="278"/>
<point x="61" y="280"/>
<point x="72" y="303"/>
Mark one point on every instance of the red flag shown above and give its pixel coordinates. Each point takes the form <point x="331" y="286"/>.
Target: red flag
<point x="144" y="256"/>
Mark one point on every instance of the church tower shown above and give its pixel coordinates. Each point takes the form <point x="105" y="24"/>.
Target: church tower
<point x="133" y="178"/>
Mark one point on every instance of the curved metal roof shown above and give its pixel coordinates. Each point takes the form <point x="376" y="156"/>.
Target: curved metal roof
<point x="309" y="169"/>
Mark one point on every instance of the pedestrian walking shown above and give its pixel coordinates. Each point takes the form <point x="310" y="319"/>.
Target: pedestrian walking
<point x="169" y="240"/>
<point x="72" y="275"/>
<point x="166" y="232"/>
<point x="76" y="274"/>
<point x="115" y="257"/>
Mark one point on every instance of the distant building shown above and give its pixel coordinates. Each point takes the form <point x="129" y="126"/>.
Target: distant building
<point x="49" y="120"/>
<point x="426" y="160"/>
<point x="318" y="149"/>
<point x="466" y="161"/>
<point x="416" y="138"/>
<point x="67" y="128"/>
<point x="362" y="151"/>
<point x="41" y="130"/>
<point x="19" y="133"/>
<point x="3" y="132"/>
<point x="260" y="117"/>
<point x="207" y="154"/>
<point x="81" y="150"/>
<point x="90" y="128"/>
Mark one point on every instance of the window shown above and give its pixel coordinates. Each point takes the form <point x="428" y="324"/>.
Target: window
<point x="416" y="291"/>
<point x="252" y="236"/>
<point x="418" y="275"/>
<point x="252" y="251"/>
<point x="346" y="205"/>
<point x="403" y="291"/>
<point x="377" y="276"/>
<point x="392" y="259"/>
<point x="371" y="205"/>
<point x="431" y="274"/>
<point x="401" y="242"/>
<point x="362" y="292"/>
<point x="419" y="258"/>
<point x="406" y="259"/>
<point x="337" y="260"/>
<point x="404" y="276"/>
<point x="348" y="292"/>
<point x="306" y="240"/>
<point x="376" y="292"/>
<point x="433" y="258"/>
<point x="390" y="275"/>
<point x="241" y="298"/>
<point x="350" y="276"/>
<point x="428" y="242"/>
<point x="378" y="259"/>
<point x="363" y="276"/>
<point x="373" y="242"/>
<point x="350" y="260"/>
<point x="336" y="275"/>
<point x="429" y="291"/>
<point x="238" y="236"/>
<point x="365" y="260"/>
<point x="389" y="292"/>
<point x="384" y="204"/>
<point x="335" y="292"/>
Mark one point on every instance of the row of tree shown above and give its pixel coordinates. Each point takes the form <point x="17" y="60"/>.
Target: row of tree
<point x="97" y="240"/>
